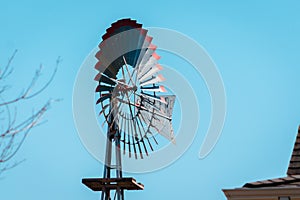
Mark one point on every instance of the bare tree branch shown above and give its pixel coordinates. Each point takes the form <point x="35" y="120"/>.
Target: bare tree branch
<point x="13" y="134"/>
<point x="26" y="94"/>
<point x="7" y="69"/>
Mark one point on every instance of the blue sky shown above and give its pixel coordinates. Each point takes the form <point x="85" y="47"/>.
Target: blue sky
<point x="254" y="44"/>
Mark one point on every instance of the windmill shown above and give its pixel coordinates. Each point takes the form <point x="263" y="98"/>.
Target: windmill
<point x="132" y="101"/>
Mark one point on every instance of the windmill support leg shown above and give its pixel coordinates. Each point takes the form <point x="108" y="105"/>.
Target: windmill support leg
<point x="107" y="167"/>
<point x="120" y="192"/>
<point x="112" y="181"/>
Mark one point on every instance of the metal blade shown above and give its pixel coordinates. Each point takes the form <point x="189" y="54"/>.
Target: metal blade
<point x="145" y="133"/>
<point x="128" y="136"/>
<point x="124" y="134"/>
<point x="135" y="137"/>
<point x="148" y="131"/>
<point x="103" y="98"/>
<point x="144" y="67"/>
<point x="103" y="109"/>
<point x="130" y="128"/>
<point x="154" y="89"/>
<point x="153" y="80"/>
<point x="106" y="80"/>
<point x="101" y="88"/>
<point x="149" y="73"/>
<point x="141" y="135"/>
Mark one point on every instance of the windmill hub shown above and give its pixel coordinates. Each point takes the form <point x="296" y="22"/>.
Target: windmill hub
<point x="125" y="88"/>
<point x="134" y="88"/>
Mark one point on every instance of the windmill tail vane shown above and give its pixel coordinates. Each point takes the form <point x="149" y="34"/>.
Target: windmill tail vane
<point x="132" y="101"/>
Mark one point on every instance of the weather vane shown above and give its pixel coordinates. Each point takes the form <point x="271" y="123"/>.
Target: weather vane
<point x="131" y="101"/>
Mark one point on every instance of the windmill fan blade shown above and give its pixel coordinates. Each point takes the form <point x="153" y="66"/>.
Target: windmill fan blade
<point x="103" y="98"/>
<point x="128" y="138"/>
<point x="124" y="38"/>
<point x="104" y="79"/>
<point x="152" y="61"/>
<point x="141" y="136"/>
<point x="141" y="42"/>
<point x="103" y="109"/>
<point x="132" y="138"/>
<point x="119" y="26"/>
<point x="153" y="80"/>
<point x="147" y="44"/>
<point x="146" y="57"/>
<point x="101" y="88"/>
<point x="154" y="89"/>
<point x="120" y="38"/>
<point x="152" y="71"/>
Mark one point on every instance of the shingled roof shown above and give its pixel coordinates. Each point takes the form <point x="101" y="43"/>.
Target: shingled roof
<point x="288" y="181"/>
<point x="293" y="173"/>
<point x="294" y="166"/>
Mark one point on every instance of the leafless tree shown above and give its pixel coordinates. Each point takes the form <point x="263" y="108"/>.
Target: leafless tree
<point x="12" y="131"/>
